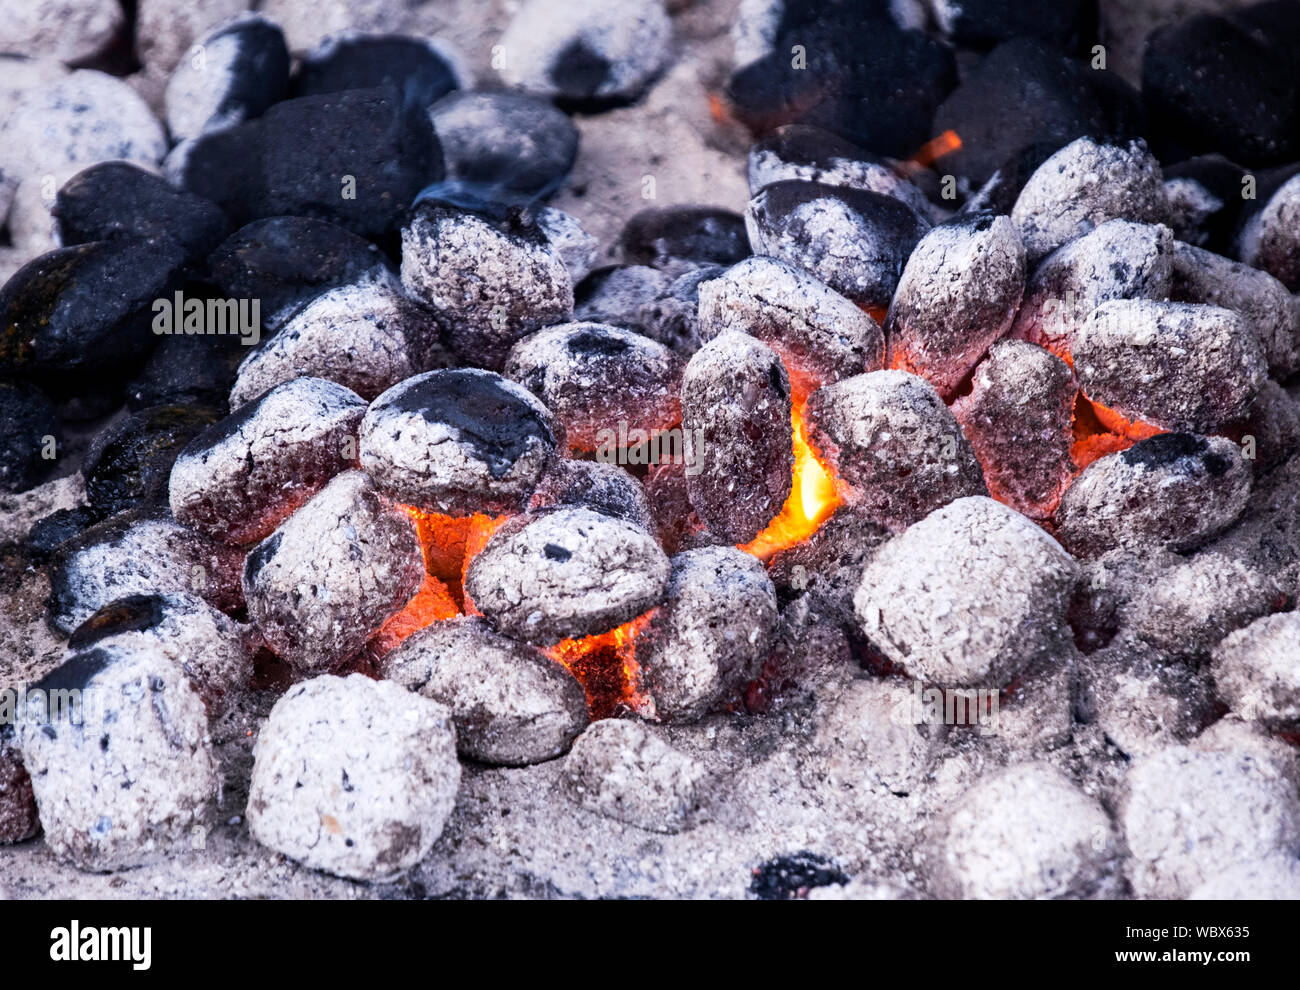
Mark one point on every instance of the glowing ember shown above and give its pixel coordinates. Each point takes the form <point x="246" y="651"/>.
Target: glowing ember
<point x="1099" y="431"/>
<point x="432" y="603"/>
<point x="605" y="664"/>
<point x="450" y="542"/>
<point x="934" y="149"/>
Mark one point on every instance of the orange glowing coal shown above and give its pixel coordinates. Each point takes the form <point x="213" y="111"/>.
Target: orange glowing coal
<point x="450" y="543"/>
<point x="432" y="603"/>
<point x="605" y="665"/>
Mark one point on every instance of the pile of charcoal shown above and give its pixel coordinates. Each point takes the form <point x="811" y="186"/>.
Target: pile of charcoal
<point x="984" y="394"/>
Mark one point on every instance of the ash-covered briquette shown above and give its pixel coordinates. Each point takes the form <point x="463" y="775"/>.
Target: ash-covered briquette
<point x="19" y="819"/>
<point x="1178" y="366"/>
<point x="855" y="241"/>
<point x="512" y="705"/>
<point x="26" y="418"/>
<point x="115" y="198"/>
<point x="138" y="553"/>
<point x="1191" y="208"/>
<point x="353" y="776"/>
<point x="1276" y="878"/>
<point x="122" y="770"/>
<point x="675" y="239"/>
<point x="577" y="249"/>
<point x="1190" y="815"/>
<point x="493" y="279"/>
<point x="711" y="635"/>
<point x="817" y="331"/>
<point x="285" y="261"/>
<point x="565" y="574"/>
<point x="56" y="317"/>
<point x="628" y="772"/>
<point x="586" y="57"/>
<point x="1270" y="236"/>
<point x="1117" y="259"/>
<point x="1255" y="669"/>
<point x="232" y="75"/>
<point x="242" y="477"/>
<point x="738" y="435"/>
<point x="1205" y="200"/>
<point x="677" y="524"/>
<point x="1172" y="490"/>
<point x="959" y="292"/>
<point x="896" y="450"/>
<point x="459" y="441"/>
<point x="1201" y="276"/>
<point x="1026" y="833"/>
<point x="594" y="377"/>
<point x="1018" y="418"/>
<point x="828" y="564"/>
<point x="129" y="461"/>
<point x="214" y="651"/>
<point x="1273" y="420"/>
<point x="67" y="30"/>
<point x="1084" y="185"/>
<point x="810" y="154"/>
<point x="365" y="336"/>
<point x="602" y="487"/>
<point x="505" y="146"/>
<point x="969" y="596"/>
<point x="356" y="60"/>
<point x="332" y="574"/>
<point x="648" y="301"/>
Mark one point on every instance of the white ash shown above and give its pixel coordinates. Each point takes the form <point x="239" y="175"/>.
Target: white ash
<point x="1190" y="206"/>
<point x="863" y="890"/>
<point x="1018" y="418"/>
<point x="958" y="294"/>
<point x="1188" y="816"/>
<point x="626" y="771"/>
<point x="353" y="776"/>
<point x="1026" y="834"/>
<point x="166" y="30"/>
<point x="567" y="573"/>
<point x="243" y="476"/>
<point x="1269" y="240"/>
<point x="594" y="377"/>
<point x="124" y="778"/>
<point x="854" y="241"/>
<point x="1083" y="185"/>
<point x="896" y="449"/>
<point x="511" y="704"/>
<point x="459" y="442"/>
<point x="817" y="331"/>
<point x="738" y="435"/>
<point x="213" y="650"/>
<point x="67" y="30"/>
<point x="1173" y="490"/>
<point x="577" y="249"/>
<point x="753" y="32"/>
<point x="1276" y="878"/>
<point x="367" y="336"/>
<point x="1256" y="670"/>
<point x="332" y="574"/>
<point x="712" y="633"/>
<point x="610" y="52"/>
<point x="1118" y="259"/>
<point x="492" y="281"/>
<point x="132" y="554"/>
<point x="596" y="485"/>
<point x="1178" y="366"/>
<point x="1035" y="715"/>
<point x="968" y="597"/>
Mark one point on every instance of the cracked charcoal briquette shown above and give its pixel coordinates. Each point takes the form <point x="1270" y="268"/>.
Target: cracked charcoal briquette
<point x="854" y="241"/>
<point x="356" y="60"/>
<point x="817" y="331"/>
<point x="512" y="704"/>
<point x="566" y="574"/>
<point x="459" y="442"/>
<point x="594" y="377"/>
<point x="959" y="292"/>
<point x="738" y="435"/>
<point x="895" y="448"/>
<point x="332" y="574"/>
<point x="674" y="238"/>
<point x="968" y="597"/>
<point x="123" y="778"/>
<point x="1018" y="418"/>
<point x="242" y="477"/>
<point x="712" y="633"/>
<point x="1255" y="669"/>
<point x="353" y="776"/>
<point x="1173" y="490"/>
<point x="1270" y="237"/>
<point x="1083" y="185"/>
<point x="602" y="487"/>
<point x="26" y="419"/>
<point x="129" y="461"/>
<point x="1178" y="366"/>
<point x="493" y="280"/>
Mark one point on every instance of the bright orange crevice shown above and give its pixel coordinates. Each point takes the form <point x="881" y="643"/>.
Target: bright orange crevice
<point x="605" y="665"/>
<point x="432" y="603"/>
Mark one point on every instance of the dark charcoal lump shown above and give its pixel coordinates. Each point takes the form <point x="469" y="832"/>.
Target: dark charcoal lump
<point x="188" y="370"/>
<point x="604" y="488"/>
<point x="787" y="878"/>
<point x="1212" y="179"/>
<point x="361" y="61"/>
<point x="117" y="197"/>
<point x="981" y="24"/>
<point x="662" y="236"/>
<point x="57" y="528"/>
<point x="26" y="419"/>
<point x="129" y="462"/>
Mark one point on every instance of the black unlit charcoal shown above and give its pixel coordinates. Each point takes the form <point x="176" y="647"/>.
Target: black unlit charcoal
<point x="29" y="431"/>
<point x="856" y="242"/>
<point x="599" y="486"/>
<point x="671" y="237"/>
<point x="129" y="461"/>
<point x="1173" y="490"/>
<point x="736" y="423"/>
<point x="57" y="528"/>
<point x="332" y="574"/>
<point x="980" y="24"/>
<point x="959" y="292"/>
<point x="594" y="377"/>
<point x="242" y="477"/>
<point x="647" y="300"/>
<point x="1205" y="191"/>
<point x="363" y="61"/>
<point x="188" y="370"/>
<point x="1268" y="237"/>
